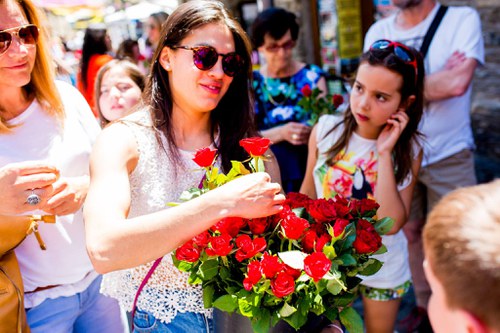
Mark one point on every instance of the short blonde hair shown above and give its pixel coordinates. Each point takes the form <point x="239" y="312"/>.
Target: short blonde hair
<point x="42" y="83"/>
<point x="462" y="244"/>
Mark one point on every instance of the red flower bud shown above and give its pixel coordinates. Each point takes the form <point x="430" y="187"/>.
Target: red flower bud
<point x="337" y="100"/>
<point x="282" y="285"/>
<point x="306" y="91"/>
<point x="205" y="157"/>
<point x="367" y="239"/>
<point x="187" y="252"/>
<point x="220" y="245"/>
<point x="316" y="265"/>
<point x="254" y="273"/>
<point x="248" y="247"/>
<point x="255" y="146"/>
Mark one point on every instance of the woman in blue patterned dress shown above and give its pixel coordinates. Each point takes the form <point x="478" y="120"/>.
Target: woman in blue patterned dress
<point x="277" y="86"/>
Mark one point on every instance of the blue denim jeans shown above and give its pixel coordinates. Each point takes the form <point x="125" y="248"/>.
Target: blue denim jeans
<point x="184" y="322"/>
<point x="86" y="312"/>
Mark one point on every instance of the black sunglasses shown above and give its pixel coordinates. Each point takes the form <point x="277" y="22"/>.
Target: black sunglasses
<point x="205" y="57"/>
<point x="27" y="34"/>
<point x="400" y="50"/>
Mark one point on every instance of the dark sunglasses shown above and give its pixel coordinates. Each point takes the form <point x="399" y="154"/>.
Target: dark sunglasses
<point x="400" y="50"/>
<point x="275" y="47"/>
<point x="205" y="57"/>
<point x="27" y="34"/>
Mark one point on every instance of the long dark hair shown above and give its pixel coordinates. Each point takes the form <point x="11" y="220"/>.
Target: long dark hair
<point x="94" y="42"/>
<point x="403" y="152"/>
<point x="233" y="116"/>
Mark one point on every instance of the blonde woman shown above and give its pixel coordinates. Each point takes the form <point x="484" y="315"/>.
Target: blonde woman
<point x="46" y="134"/>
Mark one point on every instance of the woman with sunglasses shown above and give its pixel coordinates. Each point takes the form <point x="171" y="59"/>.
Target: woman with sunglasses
<point x="46" y="134"/>
<point x="277" y="86"/>
<point x="373" y="152"/>
<point x="197" y="96"/>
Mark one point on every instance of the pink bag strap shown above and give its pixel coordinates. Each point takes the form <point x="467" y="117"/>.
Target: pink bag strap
<point x="143" y="283"/>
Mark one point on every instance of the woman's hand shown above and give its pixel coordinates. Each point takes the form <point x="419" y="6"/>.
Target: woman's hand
<point x="392" y="131"/>
<point x="68" y="196"/>
<point x="295" y="133"/>
<point x="249" y="196"/>
<point x="19" y="180"/>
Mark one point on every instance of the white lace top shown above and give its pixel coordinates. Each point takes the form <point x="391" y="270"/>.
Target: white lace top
<point x="153" y="184"/>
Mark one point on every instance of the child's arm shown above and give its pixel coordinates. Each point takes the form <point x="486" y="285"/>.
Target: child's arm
<point x="308" y="182"/>
<point x="393" y="203"/>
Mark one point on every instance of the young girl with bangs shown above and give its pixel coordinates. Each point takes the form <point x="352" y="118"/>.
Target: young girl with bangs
<point x="373" y="152"/>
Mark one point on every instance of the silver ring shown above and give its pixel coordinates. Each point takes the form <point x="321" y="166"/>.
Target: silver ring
<point x="33" y="199"/>
<point x="295" y="136"/>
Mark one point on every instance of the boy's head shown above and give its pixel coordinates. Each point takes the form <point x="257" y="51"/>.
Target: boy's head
<point x="462" y="249"/>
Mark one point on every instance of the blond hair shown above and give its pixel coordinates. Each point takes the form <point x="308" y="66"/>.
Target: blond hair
<point x="42" y="84"/>
<point x="462" y="244"/>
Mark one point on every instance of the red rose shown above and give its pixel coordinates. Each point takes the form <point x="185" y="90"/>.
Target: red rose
<point x="365" y="206"/>
<point x="296" y="200"/>
<point x="306" y="91"/>
<point x="202" y="239"/>
<point x="271" y="265"/>
<point x="258" y="225"/>
<point x="248" y="247"/>
<point x="322" y="241"/>
<point x="295" y="273"/>
<point x="187" y="252"/>
<point x="205" y="157"/>
<point x="230" y="225"/>
<point x="254" y="273"/>
<point x="322" y="210"/>
<point x="337" y="100"/>
<point x="339" y="227"/>
<point x="282" y="285"/>
<point x="219" y="245"/>
<point x="367" y="239"/>
<point x="316" y="265"/>
<point x="294" y="226"/>
<point x="309" y="241"/>
<point x="255" y="146"/>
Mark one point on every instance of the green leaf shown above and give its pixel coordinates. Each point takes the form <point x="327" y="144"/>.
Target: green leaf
<point x="296" y="320"/>
<point x="227" y="303"/>
<point x="336" y="285"/>
<point x="384" y="225"/>
<point x="372" y="268"/>
<point x="208" y="296"/>
<point x="287" y="310"/>
<point x="382" y="250"/>
<point x="351" y="320"/>
<point x="261" y="321"/>
<point x="348" y="260"/>
<point x="208" y="269"/>
<point x="190" y="194"/>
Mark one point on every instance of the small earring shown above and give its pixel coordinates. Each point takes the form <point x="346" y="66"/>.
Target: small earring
<point x="167" y="67"/>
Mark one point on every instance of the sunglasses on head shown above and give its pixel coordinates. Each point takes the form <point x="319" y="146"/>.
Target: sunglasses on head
<point x="275" y="47"/>
<point x="205" y="57"/>
<point x="400" y="50"/>
<point x="27" y="35"/>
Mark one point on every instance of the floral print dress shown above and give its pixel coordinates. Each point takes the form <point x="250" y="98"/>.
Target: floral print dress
<point x="275" y="105"/>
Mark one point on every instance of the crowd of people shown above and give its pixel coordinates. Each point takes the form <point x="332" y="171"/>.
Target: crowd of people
<point x="106" y="156"/>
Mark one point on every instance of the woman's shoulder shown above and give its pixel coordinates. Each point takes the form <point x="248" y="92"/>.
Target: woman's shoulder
<point x="309" y="73"/>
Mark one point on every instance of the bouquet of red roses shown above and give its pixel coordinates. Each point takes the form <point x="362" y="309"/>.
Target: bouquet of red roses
<point x="314" y="105"/>
<point x="305" y="259"/>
